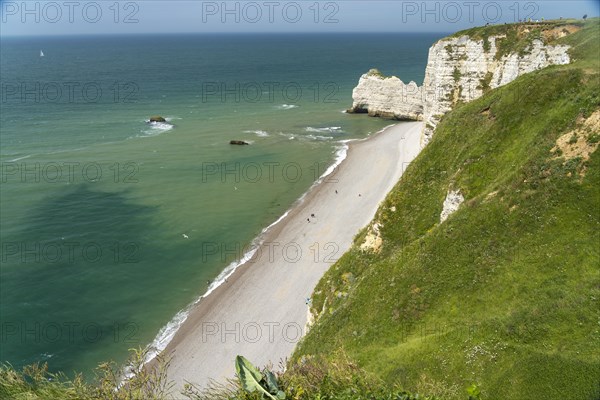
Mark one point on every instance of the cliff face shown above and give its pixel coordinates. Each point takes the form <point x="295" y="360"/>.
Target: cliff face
<point x="387" y="97"/>
<point x="459" y="69"/>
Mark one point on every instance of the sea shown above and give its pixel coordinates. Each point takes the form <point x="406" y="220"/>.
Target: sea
<point x="112" y="226"/>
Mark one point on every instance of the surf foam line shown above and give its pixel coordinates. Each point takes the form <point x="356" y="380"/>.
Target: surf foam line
<point x="51" y="153"/>
<point x="340" y="155"/>
<point x="21" y="158"/>
<point x="166" y="334"/>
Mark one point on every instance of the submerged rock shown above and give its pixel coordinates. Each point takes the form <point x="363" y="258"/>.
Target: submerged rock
<point x="238" y="142"/>
<point x="157" y="118"/>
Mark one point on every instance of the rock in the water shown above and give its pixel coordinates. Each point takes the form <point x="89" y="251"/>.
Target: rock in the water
<point x="239" y="142"/>
<point x="157" y="118"/>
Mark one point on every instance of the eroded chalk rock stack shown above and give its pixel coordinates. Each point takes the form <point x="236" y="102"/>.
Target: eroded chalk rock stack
<point x="459" y="69"/>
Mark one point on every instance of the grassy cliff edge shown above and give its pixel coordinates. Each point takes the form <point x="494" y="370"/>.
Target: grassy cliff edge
<point x="499" y="301"/>
<point x="504" y="294"/>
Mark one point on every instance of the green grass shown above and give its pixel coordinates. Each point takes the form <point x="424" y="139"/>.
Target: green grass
<point x="585" y="51"/>
<point x="35" y="382"/>
<point x="377" y="73"/>
<point x="336" y="378"/>
<point x="519" y="36"/>
<point x="501" y="301"/>
<point x="456" y="74"/>
<point x="505" y="293"/>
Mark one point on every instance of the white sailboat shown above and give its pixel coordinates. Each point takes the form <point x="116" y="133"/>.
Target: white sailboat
<point x="41" y="53"/>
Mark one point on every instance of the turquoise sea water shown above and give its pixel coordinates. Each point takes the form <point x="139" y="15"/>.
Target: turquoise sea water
<point x="109" y="225"/>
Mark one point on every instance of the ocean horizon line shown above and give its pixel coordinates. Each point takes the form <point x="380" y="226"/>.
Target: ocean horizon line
<point x="240" y="33"/>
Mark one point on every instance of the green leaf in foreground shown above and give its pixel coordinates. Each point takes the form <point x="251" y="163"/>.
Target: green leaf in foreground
<point x="251" y="379"/>
<point x="272" y="385"/>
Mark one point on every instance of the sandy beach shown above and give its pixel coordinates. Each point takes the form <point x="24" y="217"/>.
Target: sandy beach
<point x="261" y="311"/>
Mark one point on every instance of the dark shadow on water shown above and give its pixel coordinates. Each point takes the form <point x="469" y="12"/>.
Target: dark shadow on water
<point x="70" y="278"/>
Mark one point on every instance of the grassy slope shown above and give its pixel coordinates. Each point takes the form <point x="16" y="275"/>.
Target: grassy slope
<point x="518" y="37"/>
<point x="505" y="293"/>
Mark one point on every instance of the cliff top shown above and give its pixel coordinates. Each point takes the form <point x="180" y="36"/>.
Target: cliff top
<point x="517" y="37"/>
<point x="503" y="294"/>
<point x="521" y="28"/>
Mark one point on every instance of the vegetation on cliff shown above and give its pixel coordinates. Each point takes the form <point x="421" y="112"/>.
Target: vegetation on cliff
<point x="504" y="294"/>
<point x="517" y="38"/>
<point x="499" y="301"/>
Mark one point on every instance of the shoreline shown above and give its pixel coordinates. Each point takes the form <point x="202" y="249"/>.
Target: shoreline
<point x="166" y="333"/>
<point x="259" y="309"/>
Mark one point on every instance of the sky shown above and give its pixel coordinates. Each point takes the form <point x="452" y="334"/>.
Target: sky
<point x="78" y="17"/>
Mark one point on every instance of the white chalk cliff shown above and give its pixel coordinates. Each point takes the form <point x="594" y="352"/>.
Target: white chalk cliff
<point x="453" y="200"/>
<point x="459" y="69"/>
<point x="387" y="97"/>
